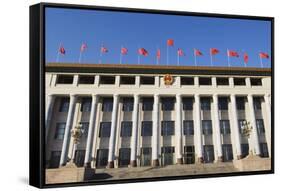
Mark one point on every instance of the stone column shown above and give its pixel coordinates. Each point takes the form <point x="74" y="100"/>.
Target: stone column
<point x="236" y="133"/>
<point x="49" y="111"/>
<point x="134" y="137"/>
<point x="198" y="130"/>
<point x="268" y="129"/>
<point x="178" y="130"/>
<point x="66" y="138"/>
<point x="111" y="156"/>
<point x="217" y="128"/>
<point x="155" y="119"/>
<point x="254" y="134"/>
<point x="92" y="123"/>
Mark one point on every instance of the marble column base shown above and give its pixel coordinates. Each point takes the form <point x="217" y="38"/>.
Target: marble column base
<point x="133" y="163"/>
<point x="110" y="164"/>
<point x="239" y="157"/>
<point x="155" y="162"/>
<point x="87" y="165"/>
<point x="200" y="160"/>
<point x="179" y="161"/>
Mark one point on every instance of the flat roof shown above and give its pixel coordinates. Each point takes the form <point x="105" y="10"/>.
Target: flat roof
<point x="155" y="69"/>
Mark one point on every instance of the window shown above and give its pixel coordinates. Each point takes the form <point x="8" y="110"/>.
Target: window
<point x="146" y="128"/>
<point x="207" y="127"/>
<point x="205" y="81"/>
<point x="257" y="103"/>
<point x="264" y="150"/>
<point x="244" y="149"/>
<point x="102" y="158"/>
<point x="240" y="125"/>
<point x="256" y="82"/>
<point x="188" y="128"/>
<point x="167" y="155"/>
<point x="64" y="79"/>
<point x="240" y="103"/>
<point x="85" y="129"/>
<point x="205" y="103"/>
<point x="187" y="81"/>
<point x="224" y="127"/>
<point x="222" y="81"/>
<point x="189" y="155"/>
<point x="86" y="105"/>
<point x="208" y="153"/>
<point x="147" y="104"/>
<point x="239" y="82"/>
<point x="64" y="104"/>
<point x="260" y="126"/>
<point x="124" y="157"/>
<point x="167" y="128"/>
<point x="107" y="80"/>
<point x="146" y="80"/>
<point x="127" y="80"/>
<point x="223" y="103"/>
<point x="55" y="159"/>
<point x="168" y="104"/>
<point x="187" y="103"/>
<point x="60" y="128"/>
<point x="126" y="129"/>
<point x="79" y="158"/>
<point x="128" y="104"/>
<point x="107" y="104"/>
<point x="146" y="156"/>
<point x="85" y="79"/>
<point x="227" y="152"/>
<point x="105" y="128"/>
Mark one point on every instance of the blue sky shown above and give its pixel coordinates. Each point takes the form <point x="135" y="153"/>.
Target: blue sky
<point x="72" y="27"/>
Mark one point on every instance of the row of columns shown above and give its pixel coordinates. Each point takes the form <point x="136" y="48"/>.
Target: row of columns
<point x="155" y="137"/>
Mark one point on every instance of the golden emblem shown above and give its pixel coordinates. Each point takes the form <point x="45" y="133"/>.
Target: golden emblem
<point x="168" y="79"/>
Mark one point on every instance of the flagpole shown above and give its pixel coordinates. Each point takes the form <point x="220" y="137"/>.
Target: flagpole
<point x="261" y="62"/>
<point x="167" y="55"/>
<point x="100" y="53"/>
<point x="121" y="55"/>
<point x="211" y="57"/>
<point x="178" y="59"/>
<point x="58" y="54"/>
<point x="80" y="56"/>
<point x="195" y="61"/>
<point x="157" y="59"/>
<point x="228" y="59"/>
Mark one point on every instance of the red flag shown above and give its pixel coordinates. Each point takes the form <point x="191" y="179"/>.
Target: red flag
<point x="158" y="54"/>
<point x="246" y="57"/>
<point x="83" y="47"/>
<point x="232" y="53"/>
<point x="170" y="42"/>
<point x="214" y="51"/>
<point x="124" y="50"/>
<point x="62" y="50"/>
<point x="180" y="52"/>
<point x="263" y="55"/>
<point x="104" y="49"/>
<point x="143" y="52"/>
<point x="197" y="52"/>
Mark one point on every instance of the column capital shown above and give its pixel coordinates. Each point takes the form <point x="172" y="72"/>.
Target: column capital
<point x="179" y="95"/>
<point x="267" y="95"/>
<point x="250" y="95"/>
<point x="115" y="95"/>
<point x="136" y="95"/>
<point x="72" y="95"/>
<point x="215" y="95"/>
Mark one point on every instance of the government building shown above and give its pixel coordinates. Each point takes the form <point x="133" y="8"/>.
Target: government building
<point x="155" y="116"/>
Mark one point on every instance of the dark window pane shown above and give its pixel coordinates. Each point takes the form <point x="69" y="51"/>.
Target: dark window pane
<point x="260" y="126"/>
<point x="208" y="153"/>
<point x="147" y="104"/>
<point x="224" y="127"/>
<point x="264" y="150"/>
<point x="257" y="103"/>
<point x="146" y="156"/>
<point x="79" y="158"/>
<point x="146" y="129"/>
<point x="227" y="152"/>
<point x="205" y="103"/>
<point x="256" y="82"/>
<point x="126" y="129"/>
<point x="107" y="104"/>
<point x="205" y="81"/>
<point x="107" y="80"/>
<point x="102" y="158"/>
<point x="239" y="82"/>
<point x="168" y="104"/>
<point x="188" y="128"/>
<point x="207" y="127"/>
<point x="86" y="79"/>
<point x="223" y="103"/>
<point x="167" y="128"/>
<point x="64" y="79"/>
<point x="189" y="155"/>
<point x="64" y="104"/>
<point x="187" y="81"/>
<point x="128" y="104"/>
<point x="86" y="104"/>
<point x="127" y="80"/>
<point x="85" y="129"/>
<point x="240" y="103"/>
<point x="55" y="159"/>
<point x="222" y="81"/>
<point x="240" y="125"/>
<point x="124" y="157"/>
<point x="146" y="80"/>
<point x="60" y="128"/>
<point x="167" y="149"/>
<point x="187" y="103"/>
<point x="245" y="150"/>
<point x="105" y="128"/>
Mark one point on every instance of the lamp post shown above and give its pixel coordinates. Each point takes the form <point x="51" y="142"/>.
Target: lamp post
<point x="76" y="134"/>
<point x="246" y="131"/>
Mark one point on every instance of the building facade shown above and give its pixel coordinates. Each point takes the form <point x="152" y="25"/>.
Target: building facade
<point x="136" y="115"/>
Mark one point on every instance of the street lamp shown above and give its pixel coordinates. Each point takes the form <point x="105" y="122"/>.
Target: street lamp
<point x="246" y="131"/>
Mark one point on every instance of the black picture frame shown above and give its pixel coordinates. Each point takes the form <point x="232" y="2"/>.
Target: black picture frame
<point x="37" y="93"/>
